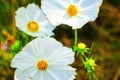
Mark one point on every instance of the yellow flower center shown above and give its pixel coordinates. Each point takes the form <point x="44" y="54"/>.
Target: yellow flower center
<point x="72" y="10"/>
<point x="81" y="46"/>
<point x="42" y="65"/>
<point x="33" y="26"/>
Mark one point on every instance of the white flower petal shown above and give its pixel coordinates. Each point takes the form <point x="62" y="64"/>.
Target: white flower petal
<point x="52" y="3"/>
<point x="75" y="1"/>
<point x="20" y="23"/>
<point x="92" y="15"/>
<point x="23" y="60"/>
<point x="52" y="76"/>
<point x="25" y="74"/>
<point x="32" y="10"/>
<point x="57" y="12"/>
<point x="21" y="18"/>
<point x="62" y="73"/>
<point x="43" y="21"/>
<point x="39" y="75"/>
<point x="76" y="22"/>
<point x="43" y="76"/>
<point x="54" y="18"/>
<point x="65" y="55"/>
<point x="42" y="47"/>
<point x="86" y="3"/>
<point x="21" y="14"/>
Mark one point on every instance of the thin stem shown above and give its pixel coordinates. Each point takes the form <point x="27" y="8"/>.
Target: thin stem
<point x="78" y="76"/>
<point x="75" y="39"/>
<point x="92" y="47"/>
<point x="82" y="59"/>
<point x="90" y="76"/>
<point x="95" y="76"/>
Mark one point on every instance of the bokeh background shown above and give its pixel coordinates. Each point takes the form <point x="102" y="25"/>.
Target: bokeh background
<point x="104" y="32"/>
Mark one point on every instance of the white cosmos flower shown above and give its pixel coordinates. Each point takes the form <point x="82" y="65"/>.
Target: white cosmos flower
<point x="74" y="13"/>
<point x="33" y="21"/>
<point x="44" y="59"/>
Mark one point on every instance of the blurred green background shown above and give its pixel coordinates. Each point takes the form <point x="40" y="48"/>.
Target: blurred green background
<point x="104" y="32"/>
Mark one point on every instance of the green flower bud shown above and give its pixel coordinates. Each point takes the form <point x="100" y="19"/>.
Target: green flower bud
<point x="81" y="46"/>
<point x="15" y="47"/>
<point x="90" y="63"/>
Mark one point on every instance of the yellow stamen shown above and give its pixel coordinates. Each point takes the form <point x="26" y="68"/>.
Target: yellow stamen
<point x="72" y="10"/>
<point x="33" y="26"/>
<point x="42" y="65"/>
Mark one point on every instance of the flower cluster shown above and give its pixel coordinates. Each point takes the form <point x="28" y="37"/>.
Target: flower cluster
<point x="45" y="58"/>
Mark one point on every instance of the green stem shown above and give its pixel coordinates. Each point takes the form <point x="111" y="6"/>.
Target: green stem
<point x="95" y="76"/>
<point x="75" y="39"/>
<point x="82" y="59"/>
<point x="90" y="76"/>
<point x="91" y="48"/>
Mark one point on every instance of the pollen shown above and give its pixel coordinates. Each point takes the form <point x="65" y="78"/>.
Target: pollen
<point x="42" y="65"/>
<point x="33" y="26"/>
<point x="72" y="10"/>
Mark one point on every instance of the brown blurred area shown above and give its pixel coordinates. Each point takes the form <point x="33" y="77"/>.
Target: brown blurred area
<point x="104" y="32"/>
